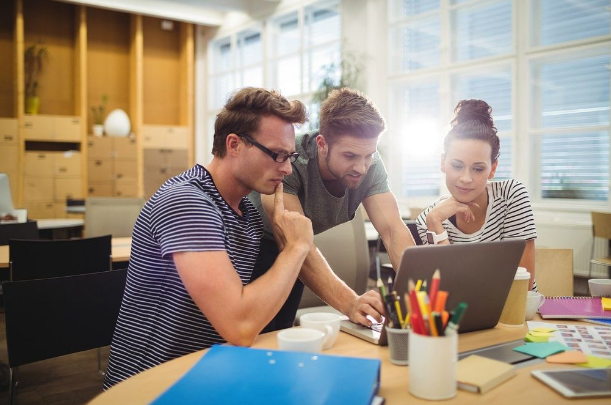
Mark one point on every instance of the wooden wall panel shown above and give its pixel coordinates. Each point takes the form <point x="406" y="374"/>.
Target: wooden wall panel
<point x="7" y="55"/>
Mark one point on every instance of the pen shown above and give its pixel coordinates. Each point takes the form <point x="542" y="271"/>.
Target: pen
<point x="454" y="323"/>
<point x="438" y="323"/>
<point x="435" y="286"/>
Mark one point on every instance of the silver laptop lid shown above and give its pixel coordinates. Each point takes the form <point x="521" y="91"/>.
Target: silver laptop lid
<point x="479" y="274"/>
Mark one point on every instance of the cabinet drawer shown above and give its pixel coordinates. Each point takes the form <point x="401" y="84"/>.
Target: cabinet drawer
<point x="124" y="148"/>
<point x="38" y="164"/>
<point x="8" y="131"/>
<point x="154" y="159"/>
<point x="125" y="170"/>
<point x="37" y="189"/>
<point x="177" y="160"/>
<point x="40" y="209"/>
<point x="178" y="138"/>
<point x="8" y="157"/>
<point x="68" y="188"/>
<point x="38" y="127"/>
<point x="67" y="129"/>
<point x="99" y="147"/>
<point x="67" y="164"/>
<point x="126" y="189"/>
<point x="154" y="136"/>
<point x="101" y="189"/>
<point x="99" y="170"/>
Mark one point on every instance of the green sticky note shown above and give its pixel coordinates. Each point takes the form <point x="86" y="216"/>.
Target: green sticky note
<point x="541" y="350"/>
<point x="596" y="362"/>
<point x="536" y="339"/>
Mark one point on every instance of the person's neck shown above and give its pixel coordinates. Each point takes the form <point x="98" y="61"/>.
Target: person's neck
<point x="227" y="185"/>
<point x="332" y="184"/>
<point x="482" y="201"/>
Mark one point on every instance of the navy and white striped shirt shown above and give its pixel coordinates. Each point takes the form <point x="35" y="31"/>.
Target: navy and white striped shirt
<point x="508" y="216"/>
<point x="159" y="320"/>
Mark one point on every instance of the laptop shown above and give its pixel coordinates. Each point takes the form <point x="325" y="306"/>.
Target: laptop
<point x="479" y="274"/>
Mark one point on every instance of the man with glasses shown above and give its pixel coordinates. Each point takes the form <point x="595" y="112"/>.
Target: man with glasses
<point x="196" y="241"/>
<point x="337" y="169"/>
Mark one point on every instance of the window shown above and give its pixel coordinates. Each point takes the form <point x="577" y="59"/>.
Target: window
<point x="542" y="65"/>
<point x="571" y="125"/>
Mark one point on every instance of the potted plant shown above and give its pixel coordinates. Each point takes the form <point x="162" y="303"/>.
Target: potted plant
<point x="98" y="116"/>
<point x="35" y="57"/>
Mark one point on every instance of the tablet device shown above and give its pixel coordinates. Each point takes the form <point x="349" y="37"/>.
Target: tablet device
<point x="577" y="383"/>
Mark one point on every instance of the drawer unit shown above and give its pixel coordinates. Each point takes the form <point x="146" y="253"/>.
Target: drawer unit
<point x="52" y="128"/>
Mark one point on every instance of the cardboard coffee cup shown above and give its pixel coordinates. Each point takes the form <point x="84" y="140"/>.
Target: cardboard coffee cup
<point x="514" y="311"/>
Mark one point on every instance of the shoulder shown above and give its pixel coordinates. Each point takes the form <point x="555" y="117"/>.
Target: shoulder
<point x="508" y="189"/>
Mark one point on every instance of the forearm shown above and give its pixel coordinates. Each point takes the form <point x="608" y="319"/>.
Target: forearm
<point x="396" y="242"/>
<point x="320" y="278"/>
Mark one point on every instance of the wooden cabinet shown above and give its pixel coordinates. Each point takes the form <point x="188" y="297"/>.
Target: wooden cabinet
<point x="52" y="128"/>
<point x="160" y="165"/>
<point x="112" y="167"/>
<point x="141" y="68"/>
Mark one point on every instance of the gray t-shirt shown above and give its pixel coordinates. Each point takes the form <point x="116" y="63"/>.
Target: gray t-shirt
<point x="324" y="209"/>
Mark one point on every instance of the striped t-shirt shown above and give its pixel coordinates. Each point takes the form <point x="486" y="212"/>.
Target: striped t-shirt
<point x="159" y="320"/>
<point x="508" y="216"/>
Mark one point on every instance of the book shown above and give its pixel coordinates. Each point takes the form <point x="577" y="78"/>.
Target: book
<point x="573" y="308"/>
<point x="240" y="375"/>
<point x="605" y="322"/>
<point x="481" y="374"/>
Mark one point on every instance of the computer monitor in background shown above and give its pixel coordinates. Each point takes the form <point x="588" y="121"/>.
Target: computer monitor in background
<point x="6" y="202"/>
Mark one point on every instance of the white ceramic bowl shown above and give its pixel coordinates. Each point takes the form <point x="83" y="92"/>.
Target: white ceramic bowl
<point x="600" y="287"/>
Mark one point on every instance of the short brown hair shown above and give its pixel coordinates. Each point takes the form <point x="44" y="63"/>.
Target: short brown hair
<point x="243" y="112"/>
<point x="473" y="120"/>
<point x="349" y="112"/>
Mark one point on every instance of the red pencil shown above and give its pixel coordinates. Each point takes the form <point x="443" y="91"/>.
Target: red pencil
<point x="434" y="286"/>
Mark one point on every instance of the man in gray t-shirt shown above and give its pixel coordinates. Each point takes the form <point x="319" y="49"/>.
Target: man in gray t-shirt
<point x="338" y="169"/>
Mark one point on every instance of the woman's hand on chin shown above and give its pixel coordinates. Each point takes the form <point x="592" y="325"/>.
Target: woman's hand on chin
<point x="446" y="209"/>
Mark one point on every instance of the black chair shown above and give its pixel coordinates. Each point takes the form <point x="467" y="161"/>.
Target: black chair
<point x="25" y="230"/>
<point x="32" y="259"/>
<point x="53" y="317"/>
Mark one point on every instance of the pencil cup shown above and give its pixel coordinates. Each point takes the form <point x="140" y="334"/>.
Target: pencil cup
<point x="398" y="340"/>
<point x="432" y="366"/>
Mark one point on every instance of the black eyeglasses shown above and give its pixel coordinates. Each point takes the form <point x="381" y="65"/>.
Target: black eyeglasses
<point x="278" y="157"/>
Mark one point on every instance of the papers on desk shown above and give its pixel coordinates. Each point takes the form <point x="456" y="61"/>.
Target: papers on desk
<point x="594" y="340"/>
<point x="239" y="375"/>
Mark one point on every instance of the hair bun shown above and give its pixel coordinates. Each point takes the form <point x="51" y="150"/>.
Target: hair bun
<point x="473" y="110"/>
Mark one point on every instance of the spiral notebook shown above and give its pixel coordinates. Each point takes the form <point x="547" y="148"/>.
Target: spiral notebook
<point x="573" y="308"/>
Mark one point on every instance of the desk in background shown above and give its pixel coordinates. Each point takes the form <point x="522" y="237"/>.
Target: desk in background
<point x="523" y="388"/>
<point x="121" y="248"/>
<point x="60" y="228"/>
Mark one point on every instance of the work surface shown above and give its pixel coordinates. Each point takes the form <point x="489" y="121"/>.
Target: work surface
<point x="121" y="248"/>
<point x="523" y="388"/>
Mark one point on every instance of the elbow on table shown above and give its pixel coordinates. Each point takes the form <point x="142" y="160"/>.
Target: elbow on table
<point x="243" y="335"/>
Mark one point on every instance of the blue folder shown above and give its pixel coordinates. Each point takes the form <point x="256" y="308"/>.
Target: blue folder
<point x="239" y="375"/>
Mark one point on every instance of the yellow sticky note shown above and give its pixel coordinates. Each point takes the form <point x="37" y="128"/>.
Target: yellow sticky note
<point x="568" y="357"/>
<point x="544" y="330"/>
<point x="536" y="339"/>
<point x="535" y="333"/>
<point x="596" y="362"/>
<point x="606" y="303"/>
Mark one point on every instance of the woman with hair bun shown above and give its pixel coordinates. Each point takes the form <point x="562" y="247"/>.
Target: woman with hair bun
<point x="478" y="210"/>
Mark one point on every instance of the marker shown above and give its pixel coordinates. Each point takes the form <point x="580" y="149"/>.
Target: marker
<point x="439" y="304"/>
<point x="454" y="323"/>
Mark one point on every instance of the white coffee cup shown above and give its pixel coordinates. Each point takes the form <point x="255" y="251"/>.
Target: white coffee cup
<point x="534" y="300"/>
<point x="301" y="339"/>
<point x="325" y="322"/>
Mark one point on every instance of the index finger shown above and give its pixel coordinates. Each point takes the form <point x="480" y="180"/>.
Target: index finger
<point x="279" y="199"/>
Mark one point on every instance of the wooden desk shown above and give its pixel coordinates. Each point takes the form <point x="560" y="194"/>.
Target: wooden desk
<point x="523" y="388"/>
<point x="60" y="228"/>
<point x="121" y="248"/>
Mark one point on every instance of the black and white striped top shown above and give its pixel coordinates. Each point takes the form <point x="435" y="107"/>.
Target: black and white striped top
<point x="158" y="320"/>
<point x="509" y="216"/>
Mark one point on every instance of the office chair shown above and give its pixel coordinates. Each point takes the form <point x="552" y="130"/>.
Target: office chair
<point x="111" y="216"/>
<point x="32" y="259"/>
<point x="25" y="230"/>
<point x="345" y="248"/>
<point x="601" y="228"/>
<point x="52" y="317"/>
